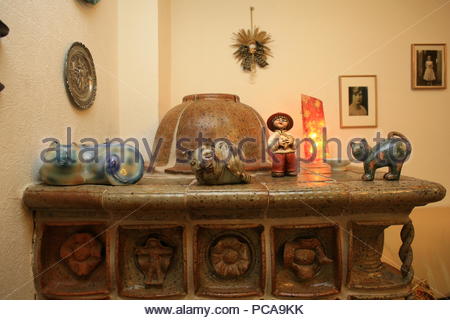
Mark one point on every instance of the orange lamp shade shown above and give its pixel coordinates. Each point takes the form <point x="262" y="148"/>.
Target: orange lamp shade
<point x="313" y="125"/>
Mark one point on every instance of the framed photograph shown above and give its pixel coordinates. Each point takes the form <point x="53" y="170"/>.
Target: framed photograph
<point x="358" y="101"/>
<point x="428" y="66"/>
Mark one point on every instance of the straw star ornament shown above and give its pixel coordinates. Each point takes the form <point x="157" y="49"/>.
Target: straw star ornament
<point x="251" y="47"/>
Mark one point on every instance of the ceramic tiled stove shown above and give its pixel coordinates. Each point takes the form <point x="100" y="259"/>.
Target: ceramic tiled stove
<point x="318" y="235"/>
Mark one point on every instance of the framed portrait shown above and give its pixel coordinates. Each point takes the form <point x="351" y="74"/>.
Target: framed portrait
<point x="358" y="101"/>
<point x="428" y="66"/>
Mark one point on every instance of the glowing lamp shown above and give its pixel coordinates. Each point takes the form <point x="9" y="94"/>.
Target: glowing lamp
<point x="313" y="125"/>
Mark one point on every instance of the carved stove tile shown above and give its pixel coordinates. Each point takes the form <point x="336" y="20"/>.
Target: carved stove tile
<point x="151" y="261"/>
<point x="305" y="260"/>
<point x="73" y="259"/>
<point x="229" y="261"/>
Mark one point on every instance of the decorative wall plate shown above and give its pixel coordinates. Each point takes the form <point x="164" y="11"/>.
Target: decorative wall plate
<point x="4" y="30"/>
<point x="79" y="76"/>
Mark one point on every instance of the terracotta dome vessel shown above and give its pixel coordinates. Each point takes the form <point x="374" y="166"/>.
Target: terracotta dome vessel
<point x="210" y="117"/>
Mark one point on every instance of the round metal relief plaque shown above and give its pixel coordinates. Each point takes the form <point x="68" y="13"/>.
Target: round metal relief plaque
<point x="79" y="74"/>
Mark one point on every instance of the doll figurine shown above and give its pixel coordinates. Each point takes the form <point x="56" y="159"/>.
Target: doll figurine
<point x="281" y="145"/>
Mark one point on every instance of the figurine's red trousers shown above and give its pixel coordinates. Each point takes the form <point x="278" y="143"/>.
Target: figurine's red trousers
<point x="284" y="162"/>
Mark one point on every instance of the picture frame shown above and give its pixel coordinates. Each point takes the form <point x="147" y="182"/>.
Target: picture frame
<point x="358" y="101"/>
<point x="429" y="66"/>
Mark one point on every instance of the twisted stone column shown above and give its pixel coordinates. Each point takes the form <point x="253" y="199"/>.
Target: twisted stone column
<point x="405" y="253"/>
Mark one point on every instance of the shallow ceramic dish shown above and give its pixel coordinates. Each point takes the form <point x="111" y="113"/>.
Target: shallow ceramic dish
<point x="337" y="164"/>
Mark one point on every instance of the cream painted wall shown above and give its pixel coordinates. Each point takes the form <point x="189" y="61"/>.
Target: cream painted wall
<point x="165" y="55"/>
<point x="314" y="43"/>
<point x="35" y="105"/>
<point x="138" y="70"/>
